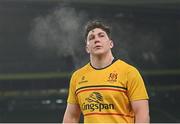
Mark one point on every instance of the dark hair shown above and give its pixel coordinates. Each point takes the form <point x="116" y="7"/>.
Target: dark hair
<point x="97" y="24"/>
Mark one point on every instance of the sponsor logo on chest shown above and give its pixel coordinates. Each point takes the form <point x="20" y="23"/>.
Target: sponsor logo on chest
<point x="83" y="80"/>
<point x="95" y="102"/>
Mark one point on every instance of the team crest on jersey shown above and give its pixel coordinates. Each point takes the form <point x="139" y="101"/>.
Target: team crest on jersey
<point x="95" y="102"/>
<point x="112" y="77"/>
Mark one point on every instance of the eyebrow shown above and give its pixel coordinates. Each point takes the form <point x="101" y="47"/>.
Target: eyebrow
<point x="91" y="35"/>
<point x="98" y="33"/>
<point x="101" y="33"/>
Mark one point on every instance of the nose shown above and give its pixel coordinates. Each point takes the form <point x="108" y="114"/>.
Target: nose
<point x="97" y="40"/>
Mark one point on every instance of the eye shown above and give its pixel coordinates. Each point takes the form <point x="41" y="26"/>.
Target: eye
<point x="101" y="34"/>
<point x="91" y="37"/>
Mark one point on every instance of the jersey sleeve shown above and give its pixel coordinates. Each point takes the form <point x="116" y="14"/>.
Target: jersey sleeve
<point x="72" y="99"/>
<point x="135" y="85"/>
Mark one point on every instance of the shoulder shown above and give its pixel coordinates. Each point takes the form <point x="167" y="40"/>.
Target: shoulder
<point x="125" y="66"/>
<point x="81" y="70"/>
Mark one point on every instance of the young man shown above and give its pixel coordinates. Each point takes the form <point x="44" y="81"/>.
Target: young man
<point x="106" y="89"/>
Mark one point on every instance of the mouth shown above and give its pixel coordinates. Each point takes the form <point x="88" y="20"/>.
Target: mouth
<point x="97" y="47"/>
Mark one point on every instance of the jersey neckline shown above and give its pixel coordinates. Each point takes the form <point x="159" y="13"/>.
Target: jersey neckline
<point x="114" y="60"/>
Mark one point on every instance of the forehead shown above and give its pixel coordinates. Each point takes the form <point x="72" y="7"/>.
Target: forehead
<point x="96" y="31"/>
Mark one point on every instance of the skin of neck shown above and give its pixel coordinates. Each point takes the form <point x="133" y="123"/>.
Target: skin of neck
<point x="101" y="61"/>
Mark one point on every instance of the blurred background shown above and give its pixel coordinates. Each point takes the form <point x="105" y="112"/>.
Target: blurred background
<point x="41" y="44"/>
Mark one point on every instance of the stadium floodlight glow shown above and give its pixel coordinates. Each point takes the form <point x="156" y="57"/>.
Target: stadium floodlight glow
<point x="59" y="101"/>
<point x="46" y="101"/>
<point x="63" y="90"/>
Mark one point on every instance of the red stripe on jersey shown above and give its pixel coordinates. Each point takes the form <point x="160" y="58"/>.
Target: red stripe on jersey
<point x="100" y="89"/>
<point x="88" y="114"/>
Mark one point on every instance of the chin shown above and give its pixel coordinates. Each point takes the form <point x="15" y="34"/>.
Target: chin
<point x="98" y="53"/>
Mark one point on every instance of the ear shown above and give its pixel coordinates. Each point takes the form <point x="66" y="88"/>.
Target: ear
<point x="87" y="49"/>
<point x="111" y="44"/>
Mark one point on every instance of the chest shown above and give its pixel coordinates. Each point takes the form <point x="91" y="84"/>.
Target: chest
<point x="105" y="87"/>
<point x="113" y="78"/>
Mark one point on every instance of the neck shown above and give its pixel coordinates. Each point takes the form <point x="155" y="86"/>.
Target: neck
<point x="101" y="61"/>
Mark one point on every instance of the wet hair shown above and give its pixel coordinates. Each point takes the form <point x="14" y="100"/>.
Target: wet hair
<point x="97" y="24"/>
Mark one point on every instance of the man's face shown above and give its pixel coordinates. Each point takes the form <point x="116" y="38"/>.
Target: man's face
<point x="98" y="42"/>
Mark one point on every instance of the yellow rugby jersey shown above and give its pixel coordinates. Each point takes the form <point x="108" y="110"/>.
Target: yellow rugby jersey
<point x="104" y="95"/>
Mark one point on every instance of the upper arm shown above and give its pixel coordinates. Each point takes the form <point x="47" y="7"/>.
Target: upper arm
<point x="72" y="113"/>
<point x="140" y="105"/>
<point x="136" y="86"/>
<point x="141" y="110"/>
<point x="138" y="96"/>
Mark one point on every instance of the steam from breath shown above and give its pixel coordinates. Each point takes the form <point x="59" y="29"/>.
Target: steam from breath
<point x="60" y="32"/>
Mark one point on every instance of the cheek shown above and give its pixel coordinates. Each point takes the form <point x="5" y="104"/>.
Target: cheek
<point x="108" y="44"/>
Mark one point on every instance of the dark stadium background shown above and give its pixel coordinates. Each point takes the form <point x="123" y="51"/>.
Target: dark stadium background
<point x="35" y="67"/>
